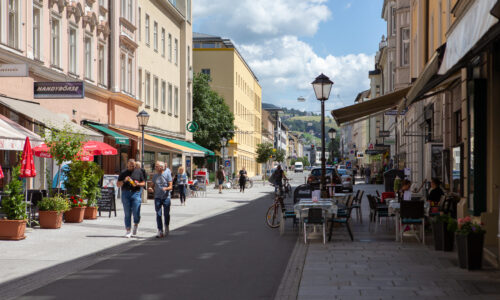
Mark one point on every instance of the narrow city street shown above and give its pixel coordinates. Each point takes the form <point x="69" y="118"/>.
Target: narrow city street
<point x="233" y="255"/>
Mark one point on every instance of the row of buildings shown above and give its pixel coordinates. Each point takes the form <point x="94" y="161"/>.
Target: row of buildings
<point x="93" y="65"/>
<point x="433" y="102"/>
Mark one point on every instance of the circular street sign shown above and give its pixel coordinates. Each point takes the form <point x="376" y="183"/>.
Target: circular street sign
<point x="192" y="126"/>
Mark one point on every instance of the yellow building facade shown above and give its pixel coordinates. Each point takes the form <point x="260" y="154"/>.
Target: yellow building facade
<point x="234" y="80"/>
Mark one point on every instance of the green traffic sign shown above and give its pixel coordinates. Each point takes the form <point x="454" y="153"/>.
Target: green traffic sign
<point x="192" y="126"/>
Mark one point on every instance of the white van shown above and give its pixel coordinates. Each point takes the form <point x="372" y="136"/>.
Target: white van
<point x="299" y="167"/>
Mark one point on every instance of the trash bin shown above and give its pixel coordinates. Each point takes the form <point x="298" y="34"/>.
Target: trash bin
<point x="389" y="177"/>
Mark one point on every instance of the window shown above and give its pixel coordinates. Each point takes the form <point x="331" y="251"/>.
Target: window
<point x="13" y="27"/>
<point x="36" y="32"/>
<point x="155" y="36"/>
<point x="148" y="89"/>
<point x="205" y="71"/>
<point x="55" y="43"/>
<point x="170" y="99"/>
<point x="405" y="46"/>
<point x="147" y="30"/>
<point x="139" y="27"/>
<point x="176" y="102"/>
<point x="129" y="75"/>
<point x="440" y="23"/>
<point x="102" y="60"/>
<point x="163" y="42"/>
<point x="175" y="51"/>
<point x="88" y="57"/>
<point x="393" y="21"/>
<point x="72" y="50"/>
<point x="163" y="96"/>
<point x="189" y="10"/>
<point x="139" y="86"/>
<point x="130" y="10"/>
<point x="169" y="47"/>
<point x="189" y="58"/>
<point x="123" y="73"/>
<point x="124" y="8"/>
<point x="155" y="92"/>
<point x="189" y="104"/>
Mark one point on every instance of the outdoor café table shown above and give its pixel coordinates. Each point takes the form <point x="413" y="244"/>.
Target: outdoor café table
<point x="393" y="210"/>
<point x="302" y="207"/>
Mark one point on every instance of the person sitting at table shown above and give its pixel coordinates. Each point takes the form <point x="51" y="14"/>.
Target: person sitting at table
<point x="194" y="187"/>
<point x="435" y="195"/>
<point x="405" y="192"/>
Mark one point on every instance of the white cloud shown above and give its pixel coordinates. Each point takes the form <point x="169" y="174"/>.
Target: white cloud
<point x="348" y="5"/>
<point x="261" y="19"/>
<point x="287" y="64"/>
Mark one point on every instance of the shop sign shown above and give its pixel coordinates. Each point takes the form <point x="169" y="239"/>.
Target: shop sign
<point x="394" y="112"/>
<point x="384" y="133"/>
<point x="59" y="90"/>
<point x="13" y="70"/>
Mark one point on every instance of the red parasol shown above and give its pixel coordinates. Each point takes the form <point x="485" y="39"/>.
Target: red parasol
<point x="98" y="148"/>
<point x="27" y="164"/>
<point x="43" y="151"/>
<point x="1" y="173"/>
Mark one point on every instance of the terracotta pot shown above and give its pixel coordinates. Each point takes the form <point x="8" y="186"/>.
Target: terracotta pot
<point x="50" y="219"/>
<point x="12" y="229"/>
<point x="74" y="215"/>
<point x="90" y="213"/>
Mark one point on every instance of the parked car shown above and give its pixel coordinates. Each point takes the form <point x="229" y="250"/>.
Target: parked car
<point x="331" y="176"/>
<point x="346" y="179"/>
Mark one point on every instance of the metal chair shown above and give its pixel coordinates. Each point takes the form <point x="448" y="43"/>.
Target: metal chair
<point x="343" y="219"/>
<point x="357" y="205"/>
<point x="377" y="211"/>
<point x="412" y="213"/>
<point x="314" y="217"/>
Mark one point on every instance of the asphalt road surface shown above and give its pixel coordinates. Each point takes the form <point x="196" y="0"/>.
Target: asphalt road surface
<point x="230" y="256"/>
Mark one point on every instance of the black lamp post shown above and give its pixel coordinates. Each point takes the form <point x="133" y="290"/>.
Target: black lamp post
<point x="332" y="133"/>
<point x="142" y="118"/>
<point x="322" y="86"/>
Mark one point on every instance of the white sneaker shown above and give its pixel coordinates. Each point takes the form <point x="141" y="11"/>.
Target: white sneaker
<point x="134" y="231"/>
<point x="128" y="234"/>
<point x="159" y="234"/>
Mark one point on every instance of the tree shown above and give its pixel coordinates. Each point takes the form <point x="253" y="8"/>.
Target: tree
<point x="264" y="154"/>
<point x="280" y="155"/>
<point x="211" y="113"/>
<point x="334" y="148"/>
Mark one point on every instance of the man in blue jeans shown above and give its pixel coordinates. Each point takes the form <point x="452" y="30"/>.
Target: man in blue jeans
<point x="162" y="185"/>
<point x="131" y="181"/>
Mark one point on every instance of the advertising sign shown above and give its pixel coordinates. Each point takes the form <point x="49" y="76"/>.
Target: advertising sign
<point x="394" y="112"/>
<point x="13" y="70"/>
<point x="384" y="133"/>
<point x="58" y="90"/>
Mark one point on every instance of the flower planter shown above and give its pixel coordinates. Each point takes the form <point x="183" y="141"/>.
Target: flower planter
<point x="50" y="219"/>
<point x="12" y="230"/>
<point x="74" y="215"/>
<point x="443" y="239"/>
<point x="90" y="213"/>
<point x="470" y="250"/>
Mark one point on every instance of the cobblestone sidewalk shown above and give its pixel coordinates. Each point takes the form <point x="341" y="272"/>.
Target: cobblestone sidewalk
<point x="374" y="266"/>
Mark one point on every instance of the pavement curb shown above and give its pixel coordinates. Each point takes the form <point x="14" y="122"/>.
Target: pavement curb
<point x="290" y="282"/>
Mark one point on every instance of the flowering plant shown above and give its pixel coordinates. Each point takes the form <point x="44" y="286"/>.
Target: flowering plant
<point x="75" y="201"/>
<point x="466" y="226"/>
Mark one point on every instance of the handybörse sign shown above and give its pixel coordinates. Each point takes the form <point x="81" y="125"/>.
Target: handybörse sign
<point x="59" y="90"/>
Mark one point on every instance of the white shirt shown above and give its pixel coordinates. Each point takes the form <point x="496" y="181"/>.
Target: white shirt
<point x="407" y="195"/>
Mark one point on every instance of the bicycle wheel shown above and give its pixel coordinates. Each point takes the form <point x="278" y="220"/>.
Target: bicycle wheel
<point x="289" y="190"/>
<point x="249" y="184"/>
<point x="273" y="216"/>
<point x="236" y="184"/>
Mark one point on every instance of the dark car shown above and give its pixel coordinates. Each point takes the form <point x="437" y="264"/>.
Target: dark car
<point x="315" y="176"/>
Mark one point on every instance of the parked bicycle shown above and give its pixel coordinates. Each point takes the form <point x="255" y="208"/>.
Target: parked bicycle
<point x="275" y="211"/>
<point x="288" y="187"/>
<point x="236" y="183"/>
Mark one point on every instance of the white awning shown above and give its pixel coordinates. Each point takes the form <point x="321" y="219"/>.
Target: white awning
<point x="467" y="32"/>
<point x="13" y="135"/>
<point x="50" y="119"/>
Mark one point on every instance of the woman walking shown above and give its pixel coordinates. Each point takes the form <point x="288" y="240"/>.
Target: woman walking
<point x="243" y="179"/>
<point x="182" y="183"/>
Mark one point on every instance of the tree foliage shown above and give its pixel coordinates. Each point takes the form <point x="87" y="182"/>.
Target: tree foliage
<point x="64" y="145"/>
<point x="83" y="180"/>
<point x="279" y="156"/>
<point x="264" y="152"/>
<point x="213" y="116"/>
<point x="334" y="149"/>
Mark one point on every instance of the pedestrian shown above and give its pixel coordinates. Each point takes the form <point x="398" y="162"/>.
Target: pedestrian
<point x="435" y="195"/>
<point x="362" y="171"/>
<point x="220" y="177"/>
<point x="368" y="174"/>
<point x="131" y="181"/>
<point x="138" y="166"/>
<point x="243" y="179"/>
<point x="181" y="184"/>
<point x="162" y="185"/>
<point x="280" y="175"/>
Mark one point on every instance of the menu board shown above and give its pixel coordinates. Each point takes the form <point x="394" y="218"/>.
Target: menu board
<point x="107" y="201"/>
<point x="110" y="180"/>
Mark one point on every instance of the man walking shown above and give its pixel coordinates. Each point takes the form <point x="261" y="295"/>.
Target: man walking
<point x="220" y="177"/>
<point x="131" y="181"/>
<point x="368" y="174"/>
<point x="162" y="185"/>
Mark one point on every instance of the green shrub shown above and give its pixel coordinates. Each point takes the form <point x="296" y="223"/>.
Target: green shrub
<point x="13" y="205"/>
<point x="57" y="203"/>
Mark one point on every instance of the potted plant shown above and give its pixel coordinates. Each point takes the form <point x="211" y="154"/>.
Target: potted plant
<point x="77" y="211"/>
<point x="13" y="205"/>
<point x="50" y="211"/>
<point x="470" y="241"/>
<point x="443" y="229"/>
<point x="92" y="189"/>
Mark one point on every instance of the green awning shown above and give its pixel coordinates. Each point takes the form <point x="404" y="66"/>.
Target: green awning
<point x="187" y="144"/>
<point x="119" y="139"/>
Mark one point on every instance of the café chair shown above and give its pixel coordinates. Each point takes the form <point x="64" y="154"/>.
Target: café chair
<point x="357" y="205"/>
<point x="315" y="217"/>
<point x="412" y="213"/>
<point x="343" y="218"/>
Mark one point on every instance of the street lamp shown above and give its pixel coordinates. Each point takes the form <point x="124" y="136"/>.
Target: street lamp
<point x="322" y="86"/>
<point x="142" y="118"/>
<point x="332" y="133"/>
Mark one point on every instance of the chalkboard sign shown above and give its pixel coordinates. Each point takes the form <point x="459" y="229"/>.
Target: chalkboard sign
<point x="107" y="201"/>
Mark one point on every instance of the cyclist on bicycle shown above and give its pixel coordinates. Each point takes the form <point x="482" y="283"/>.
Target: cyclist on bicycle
<point x="280" y="175"/>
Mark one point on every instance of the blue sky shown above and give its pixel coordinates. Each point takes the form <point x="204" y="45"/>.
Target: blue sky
<point x="287" y="43"/>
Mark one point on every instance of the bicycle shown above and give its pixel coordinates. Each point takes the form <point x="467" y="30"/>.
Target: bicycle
<point x="288" y="187"/>
<point x="236" y="183"/>
<point x="275" y="212"/>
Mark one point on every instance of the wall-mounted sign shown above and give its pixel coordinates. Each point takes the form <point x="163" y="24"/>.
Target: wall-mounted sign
<point x="384" y="133"/>
<point x="14" y="70"/>
<point x="192" y="126"/>
<point x="59" y="90"/>
<point x="394" y="112"/>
